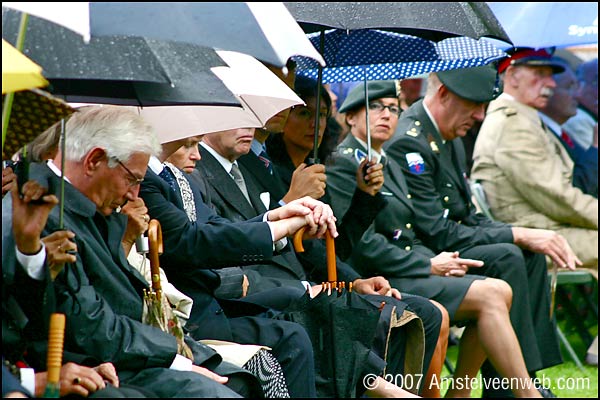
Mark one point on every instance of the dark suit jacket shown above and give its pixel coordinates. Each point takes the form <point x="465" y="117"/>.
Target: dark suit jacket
<point x="440" y="194"/>
<point x="585" y="171"/>
<point x="102" y="295"/>
<point x="314" y="258"/>
<point x="229" y="202"/>
<point x="192" y="248"/>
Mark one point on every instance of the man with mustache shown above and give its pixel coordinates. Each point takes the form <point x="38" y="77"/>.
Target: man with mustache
<point x="526" y="172"/>
<point x="433" y="163"/>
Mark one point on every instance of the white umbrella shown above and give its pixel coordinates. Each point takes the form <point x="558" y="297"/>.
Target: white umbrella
<point x="260" y="91"/>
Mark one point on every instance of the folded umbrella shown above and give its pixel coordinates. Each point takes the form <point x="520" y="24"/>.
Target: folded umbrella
<point x="157" y="310"/>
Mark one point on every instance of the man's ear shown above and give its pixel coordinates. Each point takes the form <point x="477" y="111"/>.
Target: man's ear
<point x="350" y="118"/>
<point x="93" y="160"/>
<point x="443" y="93"/>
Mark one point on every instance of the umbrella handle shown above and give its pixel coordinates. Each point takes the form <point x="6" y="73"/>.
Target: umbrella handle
<point x="297" y="241"/>
<point x="331" y="261"/>
<point x="56" y="338"/>
<point x="330" y="246"/>
<point x="155" y="243"/>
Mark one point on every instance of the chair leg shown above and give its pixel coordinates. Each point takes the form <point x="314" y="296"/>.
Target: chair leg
<point x="570" y="350"/>
<point x="449" y="366"/>
<point x="573" y="315"/>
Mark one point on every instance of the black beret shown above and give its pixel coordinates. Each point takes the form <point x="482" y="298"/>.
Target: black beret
<point x="477" y="84"/>
<point x="377" y="90"/>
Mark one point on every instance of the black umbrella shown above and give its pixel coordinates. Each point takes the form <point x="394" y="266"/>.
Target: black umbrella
<point x="429" y="20"/>
<point x="265" y="31"/>
<point x="120" y="70"/>
<point x="342" y="329"/>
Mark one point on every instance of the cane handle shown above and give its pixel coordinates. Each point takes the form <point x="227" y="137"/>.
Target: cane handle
<point x="156" y="248"/>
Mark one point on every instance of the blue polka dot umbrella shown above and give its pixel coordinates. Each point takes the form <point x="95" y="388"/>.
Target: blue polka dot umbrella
<point x="371" y="54"/>
<point x="380" y="55"/>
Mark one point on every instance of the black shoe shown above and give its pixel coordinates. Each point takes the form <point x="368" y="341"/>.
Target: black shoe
<point x="544" y="391"/>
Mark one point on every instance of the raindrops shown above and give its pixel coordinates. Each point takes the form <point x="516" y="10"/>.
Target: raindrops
<point x="381" y="55"/>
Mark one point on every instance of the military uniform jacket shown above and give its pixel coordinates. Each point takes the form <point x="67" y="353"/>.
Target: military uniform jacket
<point x="446" y="219"/>
<point x="390" y="243"/>
<point x="526" y="172"/>
<point x="102" y="295"/>
<point x="358" y="216"/>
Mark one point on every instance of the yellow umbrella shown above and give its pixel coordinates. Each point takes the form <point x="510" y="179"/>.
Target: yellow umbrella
<point x="18" y="71"/>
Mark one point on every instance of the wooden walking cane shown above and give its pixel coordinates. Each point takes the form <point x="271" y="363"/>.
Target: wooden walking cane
<point x="56" y="338"/>
<point x="155" y="243"/>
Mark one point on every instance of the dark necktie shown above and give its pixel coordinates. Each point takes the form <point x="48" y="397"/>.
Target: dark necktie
<point x="239" y="180"/>
<point x="264" y="157"/>
<point x="567" y="139"/>
<point x="168" y="176"/>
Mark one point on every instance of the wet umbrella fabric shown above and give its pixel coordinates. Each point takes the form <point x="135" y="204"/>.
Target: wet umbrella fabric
<point x="380" y="55"/>
<point x="548" y="24"/>
<point x="265" y="31"/>
<point x="124" y="71"/>
<point x="430" y="20"/>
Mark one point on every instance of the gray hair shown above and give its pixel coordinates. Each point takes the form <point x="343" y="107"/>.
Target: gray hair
<point x="119" y="130"/>
<point x="433" y="85"/>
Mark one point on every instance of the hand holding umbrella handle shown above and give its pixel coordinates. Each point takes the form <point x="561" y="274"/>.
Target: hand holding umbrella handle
<point x="155" y="243"/>
<point x="56" y="336"/>
<point x="330" y="246"/>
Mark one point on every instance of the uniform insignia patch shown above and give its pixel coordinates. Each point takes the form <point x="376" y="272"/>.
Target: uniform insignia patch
<point x="416" y="165"/>
<point x="359" y="155"/>
<point x="397" y="234"/>
<point x="412" y="133"/>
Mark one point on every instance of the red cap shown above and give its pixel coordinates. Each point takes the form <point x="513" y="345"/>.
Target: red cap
<point x="534" y="58"/>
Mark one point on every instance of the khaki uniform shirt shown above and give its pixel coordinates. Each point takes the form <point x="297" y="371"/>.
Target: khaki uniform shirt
<point x="527" y="174"/>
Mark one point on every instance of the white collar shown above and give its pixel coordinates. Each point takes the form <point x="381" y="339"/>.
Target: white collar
<point x="155" y="165"/>
<point x="373" y="151"/>
<point x="225" y="163"/>
<point x="55" y="169"/>
<point x="551" y="124"/>
<point x="435" y="125"/>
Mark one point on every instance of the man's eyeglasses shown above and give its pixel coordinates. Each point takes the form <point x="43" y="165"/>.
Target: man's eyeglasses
<point x="378" y="107"/>
<point x="132" y="179"/>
